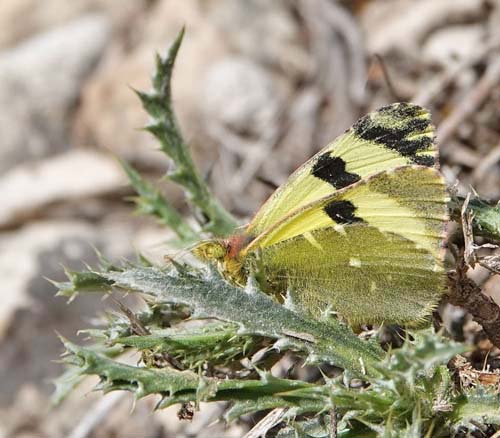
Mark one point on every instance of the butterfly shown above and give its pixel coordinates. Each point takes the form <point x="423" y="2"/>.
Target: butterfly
<point x="359" y="229"/>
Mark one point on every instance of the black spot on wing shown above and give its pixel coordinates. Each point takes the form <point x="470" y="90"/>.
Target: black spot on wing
<point x="404" y="136"/>
<point x="342" y="212"/>
<point x="402" y="110"/>
<point x="395" y="138"/>
<point x="424" y="160"/>
<point x="332" y="170"/>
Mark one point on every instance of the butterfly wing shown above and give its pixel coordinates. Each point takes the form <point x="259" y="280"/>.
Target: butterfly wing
<point x="372" y="251"/>
<point x="395" y="135"/>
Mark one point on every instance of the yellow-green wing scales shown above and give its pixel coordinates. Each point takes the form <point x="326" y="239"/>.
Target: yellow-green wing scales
<point x="395" y="135"/>
<point x="372" y="251"/>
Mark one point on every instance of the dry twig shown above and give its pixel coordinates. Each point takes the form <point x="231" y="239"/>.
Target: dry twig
<point x="333" y="423"/>
<point x="337" y="46"/>
<point x="160" y="359"/>
<point x="434" y="88"/>
<point x="266" y="424"/>
<point x="465" y="293"/>
<point x="469" y="248"/>
<point x="470" y="103"/>
<point x="393" y="93"/>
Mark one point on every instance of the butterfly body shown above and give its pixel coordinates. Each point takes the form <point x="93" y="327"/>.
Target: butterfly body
<point x="226" y="253"/>
<point x="359" y="228"/>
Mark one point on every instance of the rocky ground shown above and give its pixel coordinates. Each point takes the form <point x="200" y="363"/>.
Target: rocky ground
<point x="259" y="86"/>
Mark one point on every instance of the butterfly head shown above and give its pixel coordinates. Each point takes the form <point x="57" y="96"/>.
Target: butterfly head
<point x="210" y="250"/>
<point x="224" y="253"/>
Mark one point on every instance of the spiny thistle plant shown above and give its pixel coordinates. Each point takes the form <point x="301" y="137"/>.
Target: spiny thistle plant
<point x="202" y="339"/>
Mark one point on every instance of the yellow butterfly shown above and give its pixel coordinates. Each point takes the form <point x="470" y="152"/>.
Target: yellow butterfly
<point x="358" y="228"/>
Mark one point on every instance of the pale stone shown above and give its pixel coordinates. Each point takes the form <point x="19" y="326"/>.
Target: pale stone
<point x="40" y="81"/>
<point x="70" y="176"/>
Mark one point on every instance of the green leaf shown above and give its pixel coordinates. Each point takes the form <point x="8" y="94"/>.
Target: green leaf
<point x="486" y="216"/>
<point x="486" y="219"/>
<point x="81" y="282"/>
<point x="72" y="376"/>
<point x="214" y="343"/>
<point x="151" y="202"/>
<point x="256" y="314"/>
<point x="479" y="406"/>
<point x="209" y="296"/>
<point x="415" y="392"/>
<point x="319" y="427"/>
<point x="183" y="386"/>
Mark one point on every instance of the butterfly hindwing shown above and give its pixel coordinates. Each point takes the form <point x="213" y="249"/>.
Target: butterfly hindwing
<point x="396" y="135"/>
<point x="363" y="275"/>
<point x="372" y="250"/>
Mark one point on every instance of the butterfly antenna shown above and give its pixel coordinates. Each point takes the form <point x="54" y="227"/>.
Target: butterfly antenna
<point x="267" y="182"/>
<point x="379" y="61"/>
<point x="172" y="260"/>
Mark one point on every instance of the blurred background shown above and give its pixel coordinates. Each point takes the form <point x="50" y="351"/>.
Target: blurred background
<point x="259" y="86"/>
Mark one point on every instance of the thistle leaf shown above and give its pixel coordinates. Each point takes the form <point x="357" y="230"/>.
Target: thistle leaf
<point x="477" y="406"/>
<point x="183" y="386"/>
<point x="150" y="201"/>
<point x="209" y="296"/>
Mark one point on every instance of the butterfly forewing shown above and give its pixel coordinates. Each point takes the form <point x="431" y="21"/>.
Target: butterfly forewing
<point x="393" y="136"/>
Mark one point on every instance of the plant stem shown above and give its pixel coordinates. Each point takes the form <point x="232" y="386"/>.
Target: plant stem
<point x="158" y="104"/>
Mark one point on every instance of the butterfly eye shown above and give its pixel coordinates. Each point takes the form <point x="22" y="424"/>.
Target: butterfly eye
<point x="209" y="250"/>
